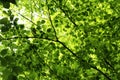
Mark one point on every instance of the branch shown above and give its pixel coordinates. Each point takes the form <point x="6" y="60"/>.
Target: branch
<point x="51" y="20"/>
<point x="27" y="37"/>
<point x="28" y="19"/>
<point x="70" y="18"/>
<point x="100" y="72"/>
<point x="109" y="64"/>
<point x="67" y="49"/>
<point x="84" y="60"/>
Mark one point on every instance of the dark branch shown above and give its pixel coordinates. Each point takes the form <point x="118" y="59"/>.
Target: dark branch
<point x="68" y="16"/>
<point x="101" y="72"/>
<point x="28" y="19"/>
<point x="65" y="12"/>
<point x="109" y="64"/>
<point x="51" y="20"/>
<point x="67" y="48"/>
<point x="27" y="37"/>
<point x="84" y="60"/>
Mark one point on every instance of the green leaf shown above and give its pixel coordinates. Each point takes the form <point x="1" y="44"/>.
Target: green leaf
<point x="4" y="20"/>
<point x="42" y="21"/>
<point x="21" y="26"/>
<point x="6" y="73"/>
<point x="17" y="69"/>
<point x="4" y="52"/>
<point x="12" y="77"/>
<point x="38" y="23"/>
<point x="13" y="2"/>
<point x="3" y="62"/>
<point x="6" y="5"/>
<point x="49" y="30"/>
<point x="5" y="28"/>
<point x="1" y="38"/>
<point x="11" y="17"/>
<point x="15" y="21"/>
<point x="67" y="26"/>
<point x="9" y="59"/>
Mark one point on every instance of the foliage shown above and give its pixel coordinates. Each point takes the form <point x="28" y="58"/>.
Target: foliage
<point x="60" y="40"/>
<point x="6" y="3"/>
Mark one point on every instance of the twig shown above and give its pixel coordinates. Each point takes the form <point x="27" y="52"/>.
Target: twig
<point x="27" y="37"/>
<point x="109" y="64"/>
<point x="68" y="49"/>
<point x="28" y="19"/>
<point x="51" y="20"/>
<point x="60" y="7"/>
<point x="100" y="72"/>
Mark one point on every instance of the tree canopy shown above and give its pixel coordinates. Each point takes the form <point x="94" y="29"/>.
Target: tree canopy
<point x="59" y="40"/>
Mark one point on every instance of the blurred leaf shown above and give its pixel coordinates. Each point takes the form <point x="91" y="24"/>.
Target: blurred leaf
<point x="6" y="4"/>
<point x="4" y="52"/>
<point x="38" y="23"/>
<point x="9" y="59"/>
<point x="11" y="17"/>
<point x="4" y="29"/>
<point x="12" y="1"/>
<point x="15" y="21"/>
<point x="3" y="62"/>
<point x="42" y="21"/>
<point x="21" y="26"/>
<point x="17" y="69"/>
<point x="12" y="77"/>
<point x="6" y="74"/>
<point x="49" y="30"/>
<point x="4" y="20"/>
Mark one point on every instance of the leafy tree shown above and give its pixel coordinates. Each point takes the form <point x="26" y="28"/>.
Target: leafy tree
<point x="60" y="40"/>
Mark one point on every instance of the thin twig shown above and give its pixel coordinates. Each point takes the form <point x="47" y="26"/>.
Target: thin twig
<point x="68" y="49"/>
<point x="101" y="72"/>
<point x="28" y="19"/>
<point x="70" y="18"/>
<point x="27" y="37"/>
<point x="51" y="20"/>
<point x="109" y="64"/>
